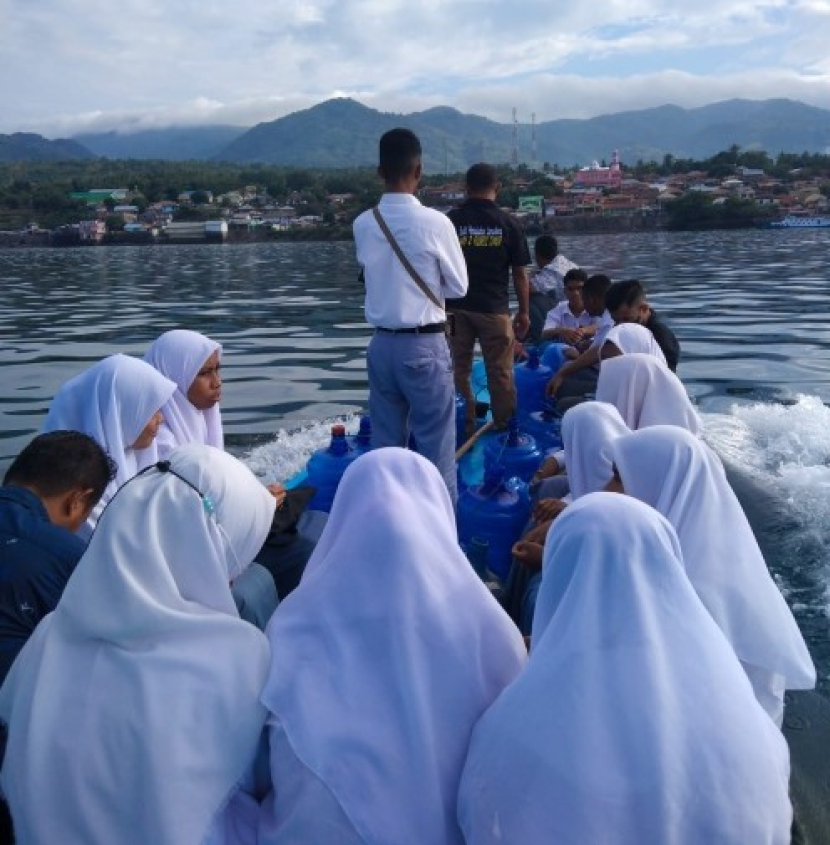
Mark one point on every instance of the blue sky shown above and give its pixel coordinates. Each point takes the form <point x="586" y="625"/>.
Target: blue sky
<point x="96" y="65"/>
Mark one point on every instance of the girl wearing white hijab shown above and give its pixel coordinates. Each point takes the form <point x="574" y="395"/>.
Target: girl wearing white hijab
<point x="632" y="722"/>
<point x="383" y="659"/>
<point x="674" y="472"/>
<point x="192" y="413"/>
<point x="117" y="403"/>
<point x="133" y="711"/>
<point x="627" y="338"/>
<point x="646" y="392"/>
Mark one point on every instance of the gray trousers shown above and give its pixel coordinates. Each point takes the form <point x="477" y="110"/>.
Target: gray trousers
<point x="411" y="390"/>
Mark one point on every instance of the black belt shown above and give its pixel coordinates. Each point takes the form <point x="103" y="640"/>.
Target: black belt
<point x="429" y="328"/>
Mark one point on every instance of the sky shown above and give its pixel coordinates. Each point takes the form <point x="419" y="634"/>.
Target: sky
<point x="73" y="66"/>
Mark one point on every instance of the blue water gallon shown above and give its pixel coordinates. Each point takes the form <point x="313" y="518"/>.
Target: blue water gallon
<point x="553" y="356"/>
<point x="494" y="512"/>
<point x="460" y="420"/>
<point x="362" y="441"/>
<point x="545" y="427"/>
<point x="531" y="379"/>
<point x="516" y="451"/>
<point x="326" y="466"/>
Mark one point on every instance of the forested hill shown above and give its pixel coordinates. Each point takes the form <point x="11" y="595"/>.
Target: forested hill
<point x="342" y="132"/>
<point x="26" y="146"/>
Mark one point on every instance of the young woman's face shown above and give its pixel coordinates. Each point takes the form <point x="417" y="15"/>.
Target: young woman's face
<point x="148" y="435"/>
<point x="206" y="389"/>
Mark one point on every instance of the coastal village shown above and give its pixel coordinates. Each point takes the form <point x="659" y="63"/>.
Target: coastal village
<point x="596" y="197"/>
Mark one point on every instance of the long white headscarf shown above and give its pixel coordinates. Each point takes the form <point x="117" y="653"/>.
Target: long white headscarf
<point x="674" y="472"/>
<point x="587" y="431"/>
<point x="388" y="652"/>
<point x="646" y="392"/>
<point x="112" y="402"/>
<point x="632" y="337"/>
<point x="133" y="710"/>
<point x="180" y="354"/>
<point x="633" y="722"/>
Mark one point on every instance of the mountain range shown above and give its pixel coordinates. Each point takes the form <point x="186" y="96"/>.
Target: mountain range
<point x="344" y="133"/>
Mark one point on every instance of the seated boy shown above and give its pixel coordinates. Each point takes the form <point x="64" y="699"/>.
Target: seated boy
<point x="569" y="322"/>
<point x="626" y="303"/>
<point x="578" y="377"/>
<point x="546" y="285"/>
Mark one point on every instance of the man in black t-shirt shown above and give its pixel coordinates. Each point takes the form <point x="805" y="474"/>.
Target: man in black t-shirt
<point x="493" y="244"/>
<point x="626" y="303"/>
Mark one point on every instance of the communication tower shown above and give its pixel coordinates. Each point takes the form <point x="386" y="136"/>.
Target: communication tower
<point x="533" y="140"/>
<point x="514" y="154"/>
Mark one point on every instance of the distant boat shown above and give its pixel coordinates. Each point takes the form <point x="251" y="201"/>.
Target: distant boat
<point x="793" y="222"/>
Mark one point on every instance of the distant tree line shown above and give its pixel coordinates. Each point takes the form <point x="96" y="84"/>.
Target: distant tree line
<point x="39" y="191"/>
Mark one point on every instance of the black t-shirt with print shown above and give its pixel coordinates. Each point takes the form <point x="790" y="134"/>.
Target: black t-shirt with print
<point x="492" y="242"/>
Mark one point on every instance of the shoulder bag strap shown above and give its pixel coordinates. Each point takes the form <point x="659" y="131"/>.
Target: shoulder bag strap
<point x="405" y="261"/>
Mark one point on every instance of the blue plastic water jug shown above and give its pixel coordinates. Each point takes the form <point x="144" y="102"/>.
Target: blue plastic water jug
<point x="326" y="466"/>
<point x="362" y="441"/>
<point x="553" y="356"/>
<point x="460" y="420"/>
<point x="545" y="427"/>
<point x="516" y="451"/>
<point x="531" y="379"/>
<point x="494" y="512"/>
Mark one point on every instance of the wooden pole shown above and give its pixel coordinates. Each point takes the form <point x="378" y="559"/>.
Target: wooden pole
<point x="465" y="447"/>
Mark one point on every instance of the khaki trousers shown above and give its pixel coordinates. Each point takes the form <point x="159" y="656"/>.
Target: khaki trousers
<point x="494" y="333"/>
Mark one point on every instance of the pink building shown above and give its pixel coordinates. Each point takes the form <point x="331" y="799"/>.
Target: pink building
<point x="599" y="177"/>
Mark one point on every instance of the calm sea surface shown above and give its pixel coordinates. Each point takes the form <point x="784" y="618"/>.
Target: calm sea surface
<point x="750" y="308"/>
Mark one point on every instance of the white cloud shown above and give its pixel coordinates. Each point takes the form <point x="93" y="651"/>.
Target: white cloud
<point x="99" y="65"/>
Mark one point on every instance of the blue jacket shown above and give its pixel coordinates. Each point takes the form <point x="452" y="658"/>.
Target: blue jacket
<point x="36" y="560"/>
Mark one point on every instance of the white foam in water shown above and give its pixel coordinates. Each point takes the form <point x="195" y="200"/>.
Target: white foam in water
<point x="286" y="455"/>
<point x="785" y="449"/>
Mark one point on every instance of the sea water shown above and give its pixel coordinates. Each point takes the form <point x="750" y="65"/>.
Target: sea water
<point x="750" y="309"/>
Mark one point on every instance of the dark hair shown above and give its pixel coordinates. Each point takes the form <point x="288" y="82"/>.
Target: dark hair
<point x="481" y="177"/>
<point x="596" y="286"/>
<point x="399" y="153"/>
<point x="627" y="292"/>
<point x="575" y="273"/>
<point x="546" y="247"/>
<point x="61" y="461"/>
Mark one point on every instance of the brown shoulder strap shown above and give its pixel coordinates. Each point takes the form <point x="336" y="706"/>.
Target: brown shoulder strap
<point x="404" y="260"/>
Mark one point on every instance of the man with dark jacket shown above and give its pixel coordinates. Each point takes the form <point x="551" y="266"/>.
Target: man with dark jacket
<point x="47" y="494"/>
<point x="493" y="244"/>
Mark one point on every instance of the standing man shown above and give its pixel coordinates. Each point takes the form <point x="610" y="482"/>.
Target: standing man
<point x="494" y="244"/>
<point x="408" y="360"/>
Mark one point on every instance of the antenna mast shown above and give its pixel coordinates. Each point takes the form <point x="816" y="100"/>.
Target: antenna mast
<point x="514" y="155"/>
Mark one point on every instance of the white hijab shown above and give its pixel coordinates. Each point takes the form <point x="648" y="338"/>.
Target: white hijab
<point x="587" y="431"/>
<point x="180" y="354"/>
<point x="633" y="722"/>
<point x="112" y="402"/>
<point x="133" y="710"/>
<point x="674" y="472"/>
<point x="632" y="337"/>
<point x="388" y="652"/>
<point x="646" y="392"/>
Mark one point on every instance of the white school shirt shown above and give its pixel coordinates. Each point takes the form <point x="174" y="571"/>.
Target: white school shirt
<point x="551" y="278"/>
<point x="561" y="317"/>
<point x="605" y="324"/>
<point x="429" y="241"/>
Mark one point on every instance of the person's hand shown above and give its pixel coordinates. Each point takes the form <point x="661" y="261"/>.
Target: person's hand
<point x="538" y="533"/>
<point x="529" y="554"/>
<point x="554" y="384"/>
<point x="278" y="491"/>
<point x="550" y="466"/>
<point x="572" y="336"/>
<point x="547" y="510"/>
<point x="521" y="325"/>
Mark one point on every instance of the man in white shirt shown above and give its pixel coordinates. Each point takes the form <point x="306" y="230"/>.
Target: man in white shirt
<point x="569" y="322"/>
<point x="547" y="284"/>
<point x="411" y="386"/>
